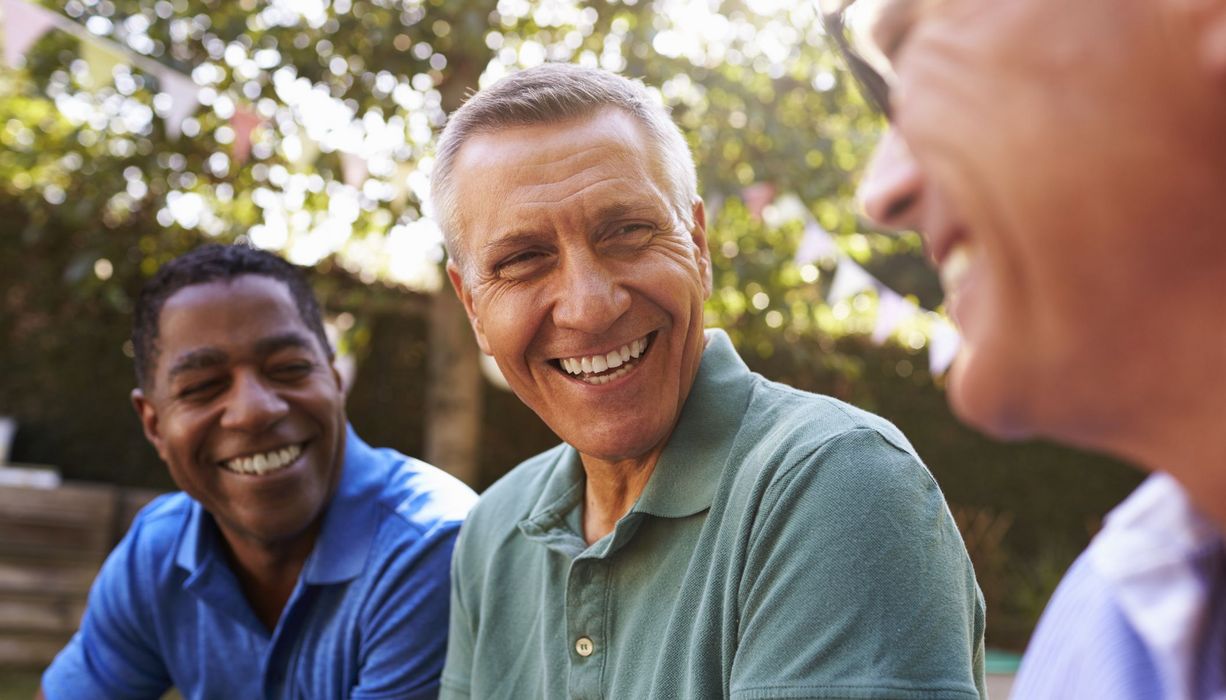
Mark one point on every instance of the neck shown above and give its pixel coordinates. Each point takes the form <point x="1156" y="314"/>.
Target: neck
<point x="612" y="489"/>
<point x="268" y="572"/>
<point x="1168" y="414"/>
<point x="1192" y="449"/>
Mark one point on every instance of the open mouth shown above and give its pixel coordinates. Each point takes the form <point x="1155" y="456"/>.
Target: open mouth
<point x="602" y="369"/>
<point x="263" y="463"/>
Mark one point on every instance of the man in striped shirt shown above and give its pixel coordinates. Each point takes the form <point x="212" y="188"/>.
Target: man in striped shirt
<point x="1066" y="164"/>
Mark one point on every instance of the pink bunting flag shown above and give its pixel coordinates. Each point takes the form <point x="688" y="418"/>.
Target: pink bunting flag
<point x="892" y="310"/>
<point x="943" y="345"/>
<point x="24" y="24"/>
<point x="757" y="196"/>
<point x="244" y="122"/>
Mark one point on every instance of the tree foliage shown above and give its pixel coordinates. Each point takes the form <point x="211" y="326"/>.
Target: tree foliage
<point x="96" y="193"/>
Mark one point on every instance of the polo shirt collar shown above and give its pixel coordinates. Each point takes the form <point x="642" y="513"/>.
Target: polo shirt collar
<point x="351" y="520"/>
<point x="689" y="470"/>
<point x="345" y="537"/>
<point x="684" y="480"/>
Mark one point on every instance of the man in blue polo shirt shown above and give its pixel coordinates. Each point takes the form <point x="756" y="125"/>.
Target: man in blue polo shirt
<point x="298" y="561"/>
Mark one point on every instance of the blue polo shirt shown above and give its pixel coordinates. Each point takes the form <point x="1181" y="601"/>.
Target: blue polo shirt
<point x="367" y="619"/>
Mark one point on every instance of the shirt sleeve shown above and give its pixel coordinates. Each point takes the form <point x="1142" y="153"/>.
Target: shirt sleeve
<point x="114" y="654"/>
<point x="857" y="583"/>
<point x="404" y="635"/>
<point x="1084" y="646"/>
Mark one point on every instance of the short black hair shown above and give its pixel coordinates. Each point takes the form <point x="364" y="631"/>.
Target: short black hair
<point x="211" y="263"/>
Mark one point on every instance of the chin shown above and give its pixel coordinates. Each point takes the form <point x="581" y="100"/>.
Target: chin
<point x="994" y="408"/>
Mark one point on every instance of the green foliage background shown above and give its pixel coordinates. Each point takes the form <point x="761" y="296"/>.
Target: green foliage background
<point x="84" y="202"/>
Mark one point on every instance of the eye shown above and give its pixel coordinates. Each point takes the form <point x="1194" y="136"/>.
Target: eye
<point x="199" y="391"/>
<point x="632" y="234"/>
<point x="522" y="264"/>
<point x="293" y="369"/>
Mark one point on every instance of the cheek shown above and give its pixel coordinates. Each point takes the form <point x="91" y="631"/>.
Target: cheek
<point x="508" y="321"/>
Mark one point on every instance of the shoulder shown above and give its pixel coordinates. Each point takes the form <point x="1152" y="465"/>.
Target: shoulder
<point x="419" y="496"/>
<point x="815" y="419"/>
<point x="511" y="498"/>
<point x="796" y="436"/>
<point x="156" y="529"/>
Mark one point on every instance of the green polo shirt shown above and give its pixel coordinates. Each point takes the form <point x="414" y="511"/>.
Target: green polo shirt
<point x="787" y="545"/>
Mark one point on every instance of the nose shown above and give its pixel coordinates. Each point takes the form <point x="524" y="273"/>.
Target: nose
<point x="589" y="296"/>
<point x="891" y="192"/>
<point x="253" y="405"/>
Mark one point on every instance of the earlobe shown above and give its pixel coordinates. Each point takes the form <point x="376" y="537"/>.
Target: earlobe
<point x="461" y="291"/>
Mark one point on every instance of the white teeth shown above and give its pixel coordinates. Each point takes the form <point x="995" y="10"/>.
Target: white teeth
<point x="264" y="463"/>
<point x="595" y="364"/>
<point x="956" y="265"/>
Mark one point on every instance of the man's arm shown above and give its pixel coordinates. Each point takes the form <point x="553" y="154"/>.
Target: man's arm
<point x="857" y="583"/>
<point x="114" y="653"/>
<point x="406" y="621"/>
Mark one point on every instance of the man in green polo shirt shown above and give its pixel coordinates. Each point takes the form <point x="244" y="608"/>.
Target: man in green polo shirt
<point x="703" y="532"/>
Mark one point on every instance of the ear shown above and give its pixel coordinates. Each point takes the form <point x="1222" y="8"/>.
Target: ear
<point x="148" y="415"/>
<point x="702" y="252"/>
<point x="336" y="377"/>
<point x="466" y="298"/>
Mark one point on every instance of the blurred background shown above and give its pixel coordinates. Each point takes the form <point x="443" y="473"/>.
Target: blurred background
<point x="133" y="130"/>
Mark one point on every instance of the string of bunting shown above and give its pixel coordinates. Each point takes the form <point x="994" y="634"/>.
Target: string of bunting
<point x="850" y="279"/>
<point x="25" y="23"/>
<point x="893" y="309"/>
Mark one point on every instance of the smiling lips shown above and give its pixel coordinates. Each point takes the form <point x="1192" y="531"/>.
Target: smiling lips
<point x="264" y="462"/>
<point x="602" y="369"/>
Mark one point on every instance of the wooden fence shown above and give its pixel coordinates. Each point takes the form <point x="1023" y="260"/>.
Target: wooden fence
<point x="52" y="542"/>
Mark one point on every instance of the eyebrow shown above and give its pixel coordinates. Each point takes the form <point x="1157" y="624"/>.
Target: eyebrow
<point x="291" y="339"/>
<point x="512" y="241"/>
<point x="203" y="358"/>
<point x="620" y="209"/>
<point x="206" y="358"/>
<point x="518" y="239"/>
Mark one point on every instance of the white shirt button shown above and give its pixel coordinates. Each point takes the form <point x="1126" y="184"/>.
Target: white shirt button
<point x="584" y="647"/>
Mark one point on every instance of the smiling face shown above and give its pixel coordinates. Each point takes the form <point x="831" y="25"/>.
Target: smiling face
<point x="1046" y="167"/>
<point x="581" y="281"/>
<point x="245" y="409"/>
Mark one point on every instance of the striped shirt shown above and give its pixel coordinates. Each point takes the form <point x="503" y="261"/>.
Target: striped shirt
<point x="1142" y="612"/>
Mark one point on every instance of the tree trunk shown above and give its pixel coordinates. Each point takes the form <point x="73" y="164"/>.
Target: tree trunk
<point x="453" y="389"/>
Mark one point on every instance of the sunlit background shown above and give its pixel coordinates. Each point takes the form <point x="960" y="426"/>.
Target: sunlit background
<point x="132" y="131"/>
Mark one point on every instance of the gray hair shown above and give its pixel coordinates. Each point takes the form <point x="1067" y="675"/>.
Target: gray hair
<point x="551" y="93"/>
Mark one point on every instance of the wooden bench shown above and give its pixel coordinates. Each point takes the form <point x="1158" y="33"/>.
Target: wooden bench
<point x="52" y="542"/>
